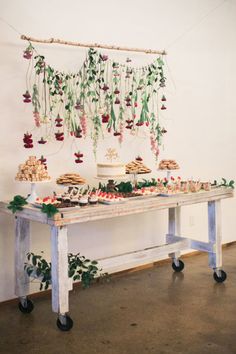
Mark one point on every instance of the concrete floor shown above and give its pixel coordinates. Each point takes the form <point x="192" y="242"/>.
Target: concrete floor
<point x="150" y="311"/>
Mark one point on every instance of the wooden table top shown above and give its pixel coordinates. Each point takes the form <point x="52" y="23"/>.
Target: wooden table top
<point x="131" y="206"/>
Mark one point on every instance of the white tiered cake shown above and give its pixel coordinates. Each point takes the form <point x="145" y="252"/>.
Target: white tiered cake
<point x="111" y="169"/>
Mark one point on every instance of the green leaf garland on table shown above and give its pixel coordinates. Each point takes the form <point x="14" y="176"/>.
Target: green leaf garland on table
<point x="17" y="203"/>
<point x="225" y="183"/>
<point x="49" y="209"/>
<point x="104" y="97"/>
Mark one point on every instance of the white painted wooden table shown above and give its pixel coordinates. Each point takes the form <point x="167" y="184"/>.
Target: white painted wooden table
<point x="175" y="243"/>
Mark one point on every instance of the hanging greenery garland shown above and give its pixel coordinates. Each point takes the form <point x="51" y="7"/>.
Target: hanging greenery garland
<point x="104" y="97"/>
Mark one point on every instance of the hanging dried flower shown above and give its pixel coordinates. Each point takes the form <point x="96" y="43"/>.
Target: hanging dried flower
<point x="28" y="52"/>
<point x="77" y="133"/>
<point x="116" y="92"/>
<point x="117" y="101"/>
<point x="42" y="141"/>
<point x="105" y="88"/>
<point x="102" y="92"/>
<point x="163" y="98"/>
<point x="116" y="133"/>
<point x="104" y="57"/>
<point x="105" y="118"/>
<point x="59" y="136"/>
<point x="58" y="119"/>
<point x="78" y="105"/>
<point x="28" y="141"/>
<point x="27" y="97"/>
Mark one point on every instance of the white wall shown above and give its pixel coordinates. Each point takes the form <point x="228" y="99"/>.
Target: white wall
<point x="201" y="116"/>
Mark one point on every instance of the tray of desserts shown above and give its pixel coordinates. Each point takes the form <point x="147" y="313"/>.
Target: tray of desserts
<point x="73" y="198"/>
<point x="78" y="197"/>
<point x="110" y="198"/>
<point x="60" y="205"/>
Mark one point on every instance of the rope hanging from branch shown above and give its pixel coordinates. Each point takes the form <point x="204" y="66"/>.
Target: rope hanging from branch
<point x="95" y="45"/>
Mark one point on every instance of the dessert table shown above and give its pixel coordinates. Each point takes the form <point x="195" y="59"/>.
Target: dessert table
<point x="175" y="242"/>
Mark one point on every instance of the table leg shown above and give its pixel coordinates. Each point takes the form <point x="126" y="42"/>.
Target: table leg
<point x="174" y="228"/>
<point x="59" y="258"/>
<point x="215" y="234"/>
<point x="22" y="247"/>
<point x="60" y="279"/>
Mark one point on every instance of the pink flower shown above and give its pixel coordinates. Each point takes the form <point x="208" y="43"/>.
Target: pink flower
<point x="37" y="119"/>
<point x="154" y="145"/>
<point x="121" y="137"/>
<point x="83" y="123"/>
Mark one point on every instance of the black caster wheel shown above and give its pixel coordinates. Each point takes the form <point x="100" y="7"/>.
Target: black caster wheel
<point x="178" y="268"/>
<point x="65" y="326"/>
<point x="28" y="308"/>
<point x="221" y="278"/>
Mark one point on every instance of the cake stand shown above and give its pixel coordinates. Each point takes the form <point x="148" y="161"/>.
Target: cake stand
<point x="168" y="172"/>
<point x="33" y="194"/>
<point x="70" y="185"/>
<point x="135" y="177"/>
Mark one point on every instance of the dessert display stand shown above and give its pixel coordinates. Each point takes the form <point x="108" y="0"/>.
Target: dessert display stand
<point x="168" y="172"/>
<point x="33" y="194"/>
<point x="136" y="176"/>
<point x="175" y="242"/>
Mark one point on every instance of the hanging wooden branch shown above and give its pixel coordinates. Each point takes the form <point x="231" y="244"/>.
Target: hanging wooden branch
<point x="94" y="45"/>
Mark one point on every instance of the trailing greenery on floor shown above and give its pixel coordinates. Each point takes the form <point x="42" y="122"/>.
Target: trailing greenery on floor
<point x="79" y="269"/>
